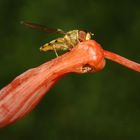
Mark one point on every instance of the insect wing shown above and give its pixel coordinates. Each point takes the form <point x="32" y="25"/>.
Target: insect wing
<point x="42" y="27"/>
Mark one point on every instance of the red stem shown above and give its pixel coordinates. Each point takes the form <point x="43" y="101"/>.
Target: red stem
<point x="121" y="60"/>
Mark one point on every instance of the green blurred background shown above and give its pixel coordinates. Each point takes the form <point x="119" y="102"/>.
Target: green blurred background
<point x="79" y="107"/>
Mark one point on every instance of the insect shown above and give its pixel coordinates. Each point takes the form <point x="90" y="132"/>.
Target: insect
<point x="65" y="43"/>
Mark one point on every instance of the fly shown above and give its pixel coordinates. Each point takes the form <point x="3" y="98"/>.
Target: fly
<point x="65" y="43"/>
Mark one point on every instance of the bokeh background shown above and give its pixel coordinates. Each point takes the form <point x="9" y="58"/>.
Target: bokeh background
<point x="79" y="107"/>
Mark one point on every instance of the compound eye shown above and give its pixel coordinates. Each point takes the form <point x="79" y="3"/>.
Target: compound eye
<point x="82" y="36"/>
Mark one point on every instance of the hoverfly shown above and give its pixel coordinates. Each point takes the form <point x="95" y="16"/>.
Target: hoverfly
<point x="67" y="42"/>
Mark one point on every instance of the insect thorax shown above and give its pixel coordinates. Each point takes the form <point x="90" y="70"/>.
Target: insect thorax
<point x="72" y="38"/>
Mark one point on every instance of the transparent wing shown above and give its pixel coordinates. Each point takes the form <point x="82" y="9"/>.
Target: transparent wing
<point x="42" y="27"/>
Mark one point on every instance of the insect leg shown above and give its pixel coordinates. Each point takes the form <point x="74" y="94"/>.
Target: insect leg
<point x="55" y="51"/>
